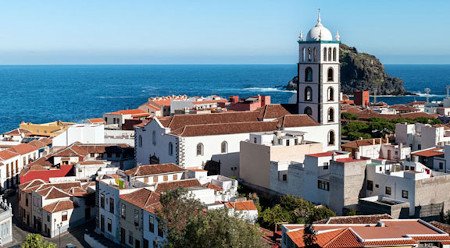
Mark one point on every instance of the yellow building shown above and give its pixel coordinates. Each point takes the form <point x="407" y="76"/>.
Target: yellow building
<point x="50" y="129"/>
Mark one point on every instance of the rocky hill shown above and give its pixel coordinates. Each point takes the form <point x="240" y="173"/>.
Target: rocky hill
<point x="363" y="71"/>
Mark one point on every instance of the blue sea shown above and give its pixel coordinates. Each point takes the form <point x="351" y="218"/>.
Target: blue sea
<point x="77" y="92"/>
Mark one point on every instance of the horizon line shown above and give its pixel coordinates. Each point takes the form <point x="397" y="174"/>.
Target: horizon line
<point x="164" y="64"/>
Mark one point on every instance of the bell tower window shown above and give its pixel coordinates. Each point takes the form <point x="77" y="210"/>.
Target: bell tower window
<point x="324" y="54"/>
<point x="331" y="138"/>
<point x="330" y="94"/>
<point x="308" y="111"/>
<point x="334" y="54"/>
<point x="330" y="74"/>
<point x="308" y="74"/>
<point x="308" y="93"/>
<point x="330" y="115"/>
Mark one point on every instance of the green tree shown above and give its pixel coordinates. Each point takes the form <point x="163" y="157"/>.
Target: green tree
<point x="221" y="230"/>
<point x="188" y="224"/>
<point x="348" y="116"/>
<point x="36" y="241"/>
<point x="358" y="135"/>
<point x="277" y="214"/>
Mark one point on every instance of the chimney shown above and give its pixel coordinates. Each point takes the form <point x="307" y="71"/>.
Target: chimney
<point x="333" y="156"/>
<point x="373" y="141"/>
<point x="234" y="99"/>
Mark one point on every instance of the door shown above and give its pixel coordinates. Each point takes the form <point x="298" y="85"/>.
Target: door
<point x="122" y="236"/>
<point x="146" y="243"/>
<point x="389" y="154"/>
<point x="137" y="243"/>
<point x="87" y="213"/>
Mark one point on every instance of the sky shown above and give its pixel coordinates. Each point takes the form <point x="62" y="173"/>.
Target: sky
<point x="216" y="31"/>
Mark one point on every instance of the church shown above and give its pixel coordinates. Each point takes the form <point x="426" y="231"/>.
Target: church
<point x="212" y="141"/>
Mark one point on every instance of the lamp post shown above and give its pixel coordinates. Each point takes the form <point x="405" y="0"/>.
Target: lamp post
<point x="59" y="225"/>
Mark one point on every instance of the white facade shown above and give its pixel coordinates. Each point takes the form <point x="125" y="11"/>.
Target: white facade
<point x="84" y="133"/>
<point x="117" y="136"/>
<point x="421" y="136"/>
<point x="319" y="76"/>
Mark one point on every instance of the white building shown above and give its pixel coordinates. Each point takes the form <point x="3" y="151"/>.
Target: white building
<point x="212" y="140"/>
<point x="377" y="148"/>
<point x="420" y="136"/>
<point x="119" y="117"/>
<point x="319" y="76"/>
<point x="83" y="133"/>
<point x="6" y="235"/>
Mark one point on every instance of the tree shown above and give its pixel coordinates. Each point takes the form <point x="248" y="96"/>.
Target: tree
<point x="188" y="224"/>
<point x="277" y="214"/>
<point x="221" y="230"/>
<point x="36" y="241"/>
<point x="349" y="116"/>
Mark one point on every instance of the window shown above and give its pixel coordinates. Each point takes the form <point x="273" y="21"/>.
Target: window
<point x="154" y="138"/>
<point x="224" y="147"/>
<point x="334" y="54"/>
<point x="309" y="54"/>
<point x="329" y="54"/>
<point x="331" y="115"/>
<point x="111" y="205"/>
<point x="155" y="179"/>
<point x="48" y="218"/>
<point x="308" y="93"/>
<point x="151" y="224"/>
<point x="388" y="191"/>
<point x="369" y="185"/>
<point x="324" y="54"/>
<point x="287" y="143"/>
<point x="123" y="211"/>
<point x="325" y="166"/>
<point x="64" y="216"/>
<point x="165" y="178"/>
<point x="199" y="149"/>
<point x="323" y="185"/>
<point x="405" y="194"/>
<point x="136" y="217"/>
<point x="330" y="74"/>
<point x="109" y="225"/>
<point x="130" y="238"/>
<point x="441" y="166"/>
<point x="308" y="111"/>
<point x="315" y="54"/>
<point x="102" y="200"/>
<point x="140" y="141"/>
<point x="170" y="149"/>
<point x="160" y="229"/>
<point x="255" y="140"/>
<point x="284" y="177"/>
<point x="308" y="74"/>
<point x="330" y="94"/>
<point x="175" y="177"/>
<point x="331" y="138"/>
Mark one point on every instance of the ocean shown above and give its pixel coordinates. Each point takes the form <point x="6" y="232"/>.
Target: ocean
<point x="77" y="92"/>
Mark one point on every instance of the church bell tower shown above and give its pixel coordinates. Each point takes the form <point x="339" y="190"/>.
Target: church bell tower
<point x="318" y="89"/>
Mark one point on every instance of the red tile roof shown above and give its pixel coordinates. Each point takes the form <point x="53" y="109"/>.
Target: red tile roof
<point x="17" y="132"/>
<point x="132" y="112"/>
<point x="45" y="174"/>
<point x="241" y="205"/>
<point x="153" y="169"/>
<point x="7" y="154"/>
<point x="429" y="152"/>
<point x="144" y="199"/>
<point x="96" y="120"/>
<point x="59" y="206"/>
<point x="23" y="149"/>
<point x="364" y="142"/>
<point x="229" y="128"/>
<point x="166" y="186"/>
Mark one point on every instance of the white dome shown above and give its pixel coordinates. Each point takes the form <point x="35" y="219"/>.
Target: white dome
<point x="319" y="32"/>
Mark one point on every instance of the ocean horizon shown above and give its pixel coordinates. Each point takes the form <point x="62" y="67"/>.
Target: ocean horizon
<point x="42" y="93"/>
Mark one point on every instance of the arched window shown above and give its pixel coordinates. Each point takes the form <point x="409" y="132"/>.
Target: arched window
<point x="170" y="149"/>
<point x="309" y="54"/>
<point x="303" y="54"/>
<point x="224" y="147"/>
<point x="330" y="93"/>
<point x="140" y="141"/>
<point x="330" y="115"/>
<point x="308" y="74"/>
<point x="315" y="54"/>
<point x="308" y="93"/>
<point x="330" y="74"/>
<point x="324" y="54"/>
<point x="331" y="138"/>
<point x="199" y="149"/>
<point x="334" y="54"/>
<point x="308" y="111"/>
<point x="154" y="138"/>
<point x="329" y="54"/>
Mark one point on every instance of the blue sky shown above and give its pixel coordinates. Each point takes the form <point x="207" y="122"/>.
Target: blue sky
<point x="213" y="31"/>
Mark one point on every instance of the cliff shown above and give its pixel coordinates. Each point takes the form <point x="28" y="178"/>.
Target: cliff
<point x="362" y="71"/>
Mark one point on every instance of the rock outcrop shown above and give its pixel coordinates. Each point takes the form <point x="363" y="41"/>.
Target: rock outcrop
<point x="362" y="71"/>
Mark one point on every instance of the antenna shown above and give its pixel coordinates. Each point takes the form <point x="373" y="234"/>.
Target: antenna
<point x="427" y="93"/>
